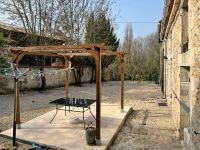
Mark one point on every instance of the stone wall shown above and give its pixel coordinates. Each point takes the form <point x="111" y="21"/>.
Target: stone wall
<point x="172" y="71"/>
<point x="182" y="72"/>
<point x="194" y="46"/>
<point x="54" y="78"/>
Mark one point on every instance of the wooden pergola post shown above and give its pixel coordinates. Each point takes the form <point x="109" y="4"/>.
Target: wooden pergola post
<point x="17" y="104"/>
<point x="122" y="82"/>
<point x="98" y="96"/>
<point x="17" y="100"/>
<point x="67" y="76"/>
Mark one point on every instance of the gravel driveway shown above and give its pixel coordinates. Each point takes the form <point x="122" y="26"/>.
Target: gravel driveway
<point x="142" y="96"/>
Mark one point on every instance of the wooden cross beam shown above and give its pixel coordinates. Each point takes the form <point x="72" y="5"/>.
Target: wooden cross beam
<point x="65" y="48"/>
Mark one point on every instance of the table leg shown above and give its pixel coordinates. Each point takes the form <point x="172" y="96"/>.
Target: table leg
<point x="55" y="114"/>
<point x="65" y="110"/>
<point x="83" y="118"/>
<point x="91" y="113"/>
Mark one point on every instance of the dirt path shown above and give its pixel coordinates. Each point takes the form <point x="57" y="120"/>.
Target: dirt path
<point x="151" y="129"/>
<point x="149" y="126"/>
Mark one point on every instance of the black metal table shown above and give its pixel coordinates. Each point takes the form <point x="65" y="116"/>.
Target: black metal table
<point x="73" y="103"/>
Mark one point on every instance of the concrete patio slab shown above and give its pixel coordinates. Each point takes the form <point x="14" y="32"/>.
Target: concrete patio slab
<point x="68" y="132"/>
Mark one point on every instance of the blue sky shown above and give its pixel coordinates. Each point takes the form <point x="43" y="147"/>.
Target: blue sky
<point x="137" y="11"/>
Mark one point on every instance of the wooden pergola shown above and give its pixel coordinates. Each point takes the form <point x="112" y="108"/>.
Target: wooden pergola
<point x="68" y="51"/>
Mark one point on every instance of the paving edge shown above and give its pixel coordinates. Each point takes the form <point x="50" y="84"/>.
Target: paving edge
<point x="118" y="129"/>
<point x="31" y="142"/>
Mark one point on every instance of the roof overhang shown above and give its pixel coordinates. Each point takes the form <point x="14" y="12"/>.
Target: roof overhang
<point x="170" y="13"/>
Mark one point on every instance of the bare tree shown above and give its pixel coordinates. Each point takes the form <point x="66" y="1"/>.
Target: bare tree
<point x="74" y="17"/>
<point x="38" y="17"/>
<point x="72" y="20"/>
<point x="128" y="38"/>
<point x="128" y="46"/>
<point x="142" y="62"/>
<point x="63" y="18"/>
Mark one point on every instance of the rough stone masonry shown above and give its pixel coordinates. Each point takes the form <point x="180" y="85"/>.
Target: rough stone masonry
<point x="180" y="59"/>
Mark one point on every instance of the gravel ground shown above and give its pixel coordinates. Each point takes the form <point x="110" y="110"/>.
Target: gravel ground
<point x="5" y="144"/>
<point x="36" y="100"/>
<point x="149" y="126"/>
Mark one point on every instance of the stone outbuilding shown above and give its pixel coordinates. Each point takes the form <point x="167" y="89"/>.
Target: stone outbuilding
<point x="180" y="67"/>
<point x="18" y="37"/>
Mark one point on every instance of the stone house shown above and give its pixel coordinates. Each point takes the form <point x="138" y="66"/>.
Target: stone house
<point x="180" y="67"/>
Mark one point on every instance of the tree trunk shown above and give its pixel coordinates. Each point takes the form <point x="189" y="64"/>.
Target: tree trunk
<point x="78" y="73"/>
<point x="43" y="78"/>
<point x="75" y="75"/>
<point x="43" y="86"/>
<point x="93" y="75"/>
<point x="102" y="74"/>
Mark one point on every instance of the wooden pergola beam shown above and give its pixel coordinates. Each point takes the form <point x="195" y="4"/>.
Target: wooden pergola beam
<point x="60" y="54"/>
<point x="61" y="48"/>
<point x="53" y="50"/>
<point x="43" y="54"/>
<point x="17" y="56"/>
<point x="74" y="54"/>
<point x="84" y="54"/>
